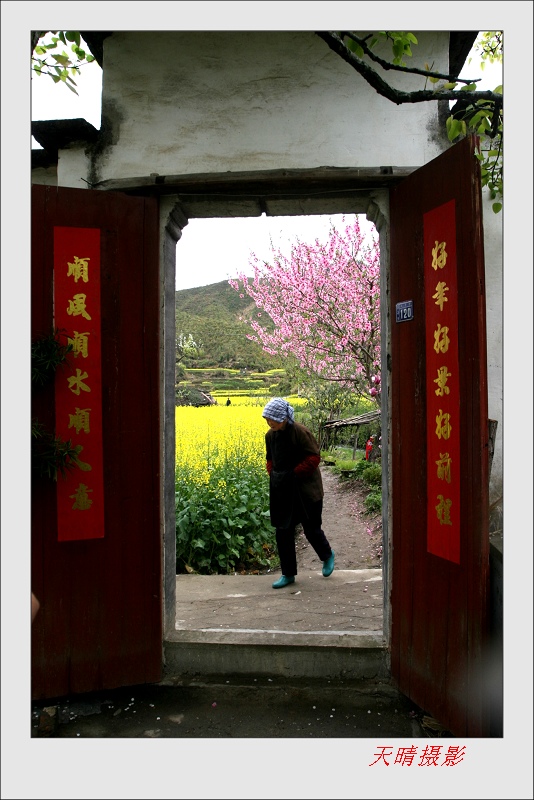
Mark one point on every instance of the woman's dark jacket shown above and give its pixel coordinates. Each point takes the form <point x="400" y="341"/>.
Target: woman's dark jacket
<point x="293" y="457"/>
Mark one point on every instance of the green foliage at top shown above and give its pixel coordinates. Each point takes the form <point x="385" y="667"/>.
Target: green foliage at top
<point x="50" y="58"/>
<point x="483" y="116"/>
<point x="401" y="45"/>
<point x="485" y="119"/>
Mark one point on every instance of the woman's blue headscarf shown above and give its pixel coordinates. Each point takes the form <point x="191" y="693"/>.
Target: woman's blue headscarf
<point x="279" y="410"/>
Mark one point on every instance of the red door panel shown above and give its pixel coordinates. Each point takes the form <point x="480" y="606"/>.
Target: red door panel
<point x="439" y="607"/>
<point x="100" y="621"/>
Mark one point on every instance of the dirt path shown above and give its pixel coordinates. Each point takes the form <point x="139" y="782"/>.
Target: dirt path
<point x="355" y="536"/>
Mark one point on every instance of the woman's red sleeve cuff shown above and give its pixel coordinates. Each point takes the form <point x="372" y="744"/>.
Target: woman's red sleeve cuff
<point x="307" y="466"/>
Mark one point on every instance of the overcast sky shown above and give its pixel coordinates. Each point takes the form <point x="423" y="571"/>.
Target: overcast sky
<point x="216" y="249"/>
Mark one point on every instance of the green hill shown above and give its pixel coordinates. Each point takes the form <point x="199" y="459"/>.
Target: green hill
<point x="217" y="299"/>
<point x="212" y="348"/>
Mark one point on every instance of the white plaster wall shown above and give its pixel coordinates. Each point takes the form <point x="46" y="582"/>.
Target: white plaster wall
<point x="188" y="102"/>
<point x="45" y="176"/>
<point x="73" y="168"/>
<point x="493" y="257"/>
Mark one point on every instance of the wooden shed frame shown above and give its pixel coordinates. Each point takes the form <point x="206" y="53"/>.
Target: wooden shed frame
<point x="357" y="422"/>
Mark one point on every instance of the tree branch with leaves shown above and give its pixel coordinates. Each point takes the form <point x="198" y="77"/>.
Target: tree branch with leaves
<point x="48" y="57"/>
<point x="478" y="112"/>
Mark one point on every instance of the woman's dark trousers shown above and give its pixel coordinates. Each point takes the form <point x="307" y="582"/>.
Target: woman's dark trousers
<point x="312" y="525"/>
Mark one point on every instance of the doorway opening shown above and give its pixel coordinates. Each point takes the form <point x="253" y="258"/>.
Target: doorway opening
<point x="211" y="605"/>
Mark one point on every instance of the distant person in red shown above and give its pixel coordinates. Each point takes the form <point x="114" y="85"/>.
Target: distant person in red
<point x="369" y="447"/>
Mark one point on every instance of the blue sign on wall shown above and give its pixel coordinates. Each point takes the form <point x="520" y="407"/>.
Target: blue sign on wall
<point x="404" y="311"/>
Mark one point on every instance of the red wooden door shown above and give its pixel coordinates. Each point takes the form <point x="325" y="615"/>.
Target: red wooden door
<point x="440" y="554"/>
<point x="100" y="621"/>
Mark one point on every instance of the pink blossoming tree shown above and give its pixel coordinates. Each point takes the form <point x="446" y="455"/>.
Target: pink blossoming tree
<point x="324" y="302"/>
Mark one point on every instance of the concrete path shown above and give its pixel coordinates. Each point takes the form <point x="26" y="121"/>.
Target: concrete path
<point x="348" y="602"/>
<point x="317" y="627"/>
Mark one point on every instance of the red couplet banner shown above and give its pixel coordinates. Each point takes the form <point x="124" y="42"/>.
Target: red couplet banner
<point x="78" y="388"/>
<point x="442" y="383"/>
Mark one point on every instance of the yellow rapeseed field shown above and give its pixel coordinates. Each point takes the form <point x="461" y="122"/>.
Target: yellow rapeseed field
<point x="222" y="489"/>
<point x="218" y="435"/>
<point x="212" y="436"/>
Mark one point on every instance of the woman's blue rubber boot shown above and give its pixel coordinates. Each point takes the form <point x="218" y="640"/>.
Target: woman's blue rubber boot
<point x="283" y="581"/>
<point x="328" y="566"/>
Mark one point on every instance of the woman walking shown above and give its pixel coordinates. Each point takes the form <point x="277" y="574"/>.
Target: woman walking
<point x="295" y="488"/>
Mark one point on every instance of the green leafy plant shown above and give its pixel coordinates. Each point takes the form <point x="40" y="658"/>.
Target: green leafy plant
<point x="485" y="118"/>
<point x="49" y="57"/>
<point x="372" y="476"/>
<point x="47" y="354"/>
<point x="347" y="465"/>
<point x="361" y="467"/>
<point x="50" y="453"/>
<point x="369" y="473"/>
<point x="373" y="502"/>
<point x="224" y="525"/>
